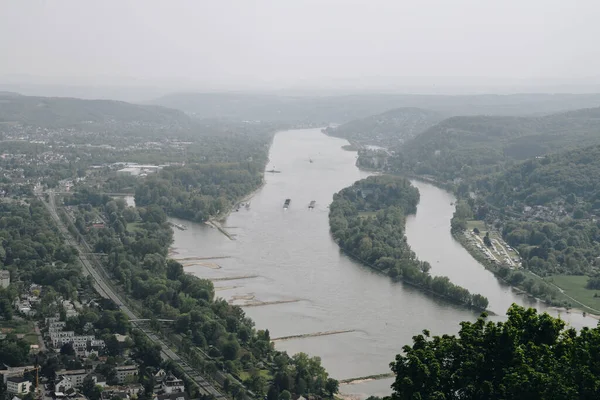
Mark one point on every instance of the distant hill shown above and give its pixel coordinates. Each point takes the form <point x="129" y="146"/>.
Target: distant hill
<point x="389" y="128"/>
<point x="345" y="108"/>
<point x="61" y="112"/>
<point x="572" y="175"/>
<point x="469" y="145"/>
<point x="549" y="207"/>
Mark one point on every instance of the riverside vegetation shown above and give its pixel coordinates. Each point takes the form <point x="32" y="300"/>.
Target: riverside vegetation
<point x="218" y="161"/>
<point x="367" y="220"/>
<point x="548" y="209"/>
<point x="532" y="179"/>
<point x="136" y="242"/>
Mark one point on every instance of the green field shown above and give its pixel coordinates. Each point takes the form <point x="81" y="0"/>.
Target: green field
<point x="20" y="327"/>
<point x="574" y="286"/>
<point x="133" y="226"/>
<point x="263" y="372"/>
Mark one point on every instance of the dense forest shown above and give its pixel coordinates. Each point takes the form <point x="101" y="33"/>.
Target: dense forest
<point x="63" y="112"/>
<point x="467" y="146"/>
<point x="389" y="128"/>
<point x="367" y="220"/>
<point x="530" y="356"/>
<point x="33" y="251"/>
<point x="197" y="191"/>
<point x="550" y="207"/>
<point x="136" y="242"/>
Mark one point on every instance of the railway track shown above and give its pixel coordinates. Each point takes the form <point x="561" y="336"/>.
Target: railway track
<point x="93" y="267"/>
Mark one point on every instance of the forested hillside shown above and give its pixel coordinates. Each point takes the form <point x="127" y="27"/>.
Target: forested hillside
<point x="551" y="206"/>
<point x="62" y="112"/>
<point x="198" y="191"/>
<point x="461" y="147"/>
<point x="389" y="128"/>
<point x="367" y="220"/>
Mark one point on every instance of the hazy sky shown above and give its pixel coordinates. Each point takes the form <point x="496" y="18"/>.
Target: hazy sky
<point x="288" y="43"/>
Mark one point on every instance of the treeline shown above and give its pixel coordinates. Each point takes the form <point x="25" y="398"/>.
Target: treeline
<point x="515" y="277"/>
<point x="367" y="220"/>
<point x="389" y="128"/>
<point x="548" y="209"/>
<point x="470" y="146"/>
<point x="32" y="250"/>
<point x="137" y="258"/>
<point x="196" y="192"/>
<point x="530" y="356"/>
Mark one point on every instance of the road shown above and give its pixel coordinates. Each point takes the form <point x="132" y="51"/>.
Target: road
<point x="93" y="267"/>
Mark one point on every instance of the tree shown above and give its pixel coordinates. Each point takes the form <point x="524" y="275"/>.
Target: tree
<point x="230" y="349"/>
<point x="67" y="349"/>
<point x="113" y="347"/>
<point x="88" y="385"/>
<point x="332" y="386"/>
<point x="226" y="385"/>
<point x="530" y="356"/>
<point x="486" y="240"/>
<point x="273" y="393"/>
<point x="285" y="395"/>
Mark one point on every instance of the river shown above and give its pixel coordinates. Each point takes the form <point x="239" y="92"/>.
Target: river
<point x="296" y="280"/>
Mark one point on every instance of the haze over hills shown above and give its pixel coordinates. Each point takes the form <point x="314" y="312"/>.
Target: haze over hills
<point x="60" y="112"/>
<point x="344" y="108"/>
<point x="467" y="145"/>
<point x="389" y="128"/>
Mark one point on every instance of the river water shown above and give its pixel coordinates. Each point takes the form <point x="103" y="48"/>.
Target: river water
<point x="296" y="280"/>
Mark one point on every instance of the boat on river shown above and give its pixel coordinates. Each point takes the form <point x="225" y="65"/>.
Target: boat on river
<point x="286" y="204"/>
<point x="311" y="205"/>
<point x="181" y="227"/>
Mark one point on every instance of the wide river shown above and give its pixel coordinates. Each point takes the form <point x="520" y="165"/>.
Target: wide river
<point x="296" y="280"/>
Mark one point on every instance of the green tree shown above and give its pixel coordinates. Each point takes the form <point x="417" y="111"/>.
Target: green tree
<point x="285" y="395"/>
<point x="530" y="356"/>
<point x="332" y="386"/>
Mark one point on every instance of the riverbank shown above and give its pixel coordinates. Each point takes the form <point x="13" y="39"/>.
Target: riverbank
<point x="380" y="242"/>
<point x="558" y="305"/>
<point x="412" y="284"/>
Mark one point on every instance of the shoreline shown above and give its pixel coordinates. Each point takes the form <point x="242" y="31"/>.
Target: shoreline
<point x="421" y="288"/>
<point x="580" y="309"/>
<point x="459" y="237"/>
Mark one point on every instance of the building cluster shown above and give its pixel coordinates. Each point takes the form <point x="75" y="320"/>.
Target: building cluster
<point x="26" y="303"/>
<point x="83" y="345"/>
<point x="134" y="169"/>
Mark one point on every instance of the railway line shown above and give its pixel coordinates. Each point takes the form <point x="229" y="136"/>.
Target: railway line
<point x="94" y="268"/>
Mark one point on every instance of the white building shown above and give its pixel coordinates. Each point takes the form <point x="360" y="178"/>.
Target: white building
<point x="172" y="385"/>
<point x="4" y="278"/>
<point x="125" y="372"/>
<point x="18" y="385"/>
<point x="79" y="342"/>
<point x="69" y="308"/>
<point x="57" y="326"/>
<point x="63" y="384"/>
<point x="76" y="376"/>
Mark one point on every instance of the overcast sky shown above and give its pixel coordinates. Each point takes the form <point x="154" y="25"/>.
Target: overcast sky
<point x="291" y="43"/>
